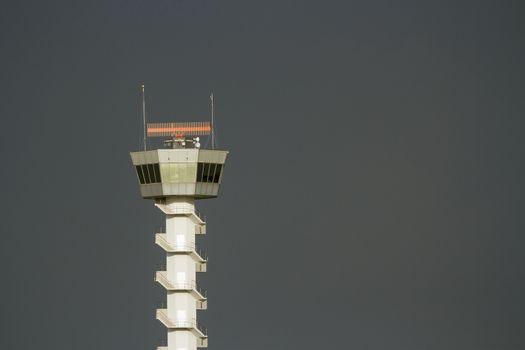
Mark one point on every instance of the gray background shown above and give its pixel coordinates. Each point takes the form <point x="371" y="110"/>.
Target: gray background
<point x="373" y="197"/>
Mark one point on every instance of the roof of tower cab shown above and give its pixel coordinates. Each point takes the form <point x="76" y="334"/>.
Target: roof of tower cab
<point x="185" y="172"/>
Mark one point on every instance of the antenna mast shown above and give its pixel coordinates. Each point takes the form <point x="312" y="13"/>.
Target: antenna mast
<point x="212" y="124"/>
<point x="144" y="115"/>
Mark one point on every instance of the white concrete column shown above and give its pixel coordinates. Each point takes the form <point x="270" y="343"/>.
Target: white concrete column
<point x="181" y="340"/>
<point x="181" y="272"/>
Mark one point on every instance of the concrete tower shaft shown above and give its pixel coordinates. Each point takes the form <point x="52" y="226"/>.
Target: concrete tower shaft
<point x="175" y="178"/>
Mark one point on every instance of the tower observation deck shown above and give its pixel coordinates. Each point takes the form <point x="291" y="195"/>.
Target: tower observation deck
<point x="174" y="178"/>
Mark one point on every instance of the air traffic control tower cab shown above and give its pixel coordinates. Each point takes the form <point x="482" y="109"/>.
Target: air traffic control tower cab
<point x="183" y="169"/>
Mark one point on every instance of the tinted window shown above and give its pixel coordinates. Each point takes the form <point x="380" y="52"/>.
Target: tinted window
<point x="217" y="174"/>
<point x="212" y="172"/>
<point x="151" y="173"/>
<point x="206" y="172"/>
<point x="200" y="167"/>
<point x="146" y="173"/>
<point x="139" y="173"/>
<point x="209" y="172"/>
<point x="156" y="170"/>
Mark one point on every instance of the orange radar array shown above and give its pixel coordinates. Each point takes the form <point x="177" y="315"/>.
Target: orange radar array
<point x="179" y="130"/>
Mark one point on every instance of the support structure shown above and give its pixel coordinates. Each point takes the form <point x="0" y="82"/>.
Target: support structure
<point x="175" y="179"/>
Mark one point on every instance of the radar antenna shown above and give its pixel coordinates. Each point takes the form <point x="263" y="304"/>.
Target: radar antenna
<point x="212" y="122"/>
<point x="178" y="132"/>
<point x="144" y="115"/>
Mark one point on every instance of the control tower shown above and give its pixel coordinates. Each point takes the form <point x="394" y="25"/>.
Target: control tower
<point x="174" y="178"/>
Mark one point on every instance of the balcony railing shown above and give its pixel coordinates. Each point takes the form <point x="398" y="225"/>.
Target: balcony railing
<point x="181" y="209"/>
<point x="162" y="315"/>
<point x="163" y="279"/>
<point x="160" y="238"/>
<point x="201" y="328"/>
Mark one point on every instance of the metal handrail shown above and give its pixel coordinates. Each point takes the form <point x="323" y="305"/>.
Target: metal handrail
<point x="181" y="286"/>
<point x="184" y="248"/>
<point x="188" y="211"/>
<point x="201" y="328"/>
<point x="200" y="216"/>
<point x="178" y="247"/>
<point x="200" y="290"/>
<point x="162" y="229"/>
<point x="201" y="253"/>
<point x="183" y="323"/>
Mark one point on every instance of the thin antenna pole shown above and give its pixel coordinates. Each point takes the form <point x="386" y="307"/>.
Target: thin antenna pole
<point x="144" y="115"/>
<point x="212" y="123"/>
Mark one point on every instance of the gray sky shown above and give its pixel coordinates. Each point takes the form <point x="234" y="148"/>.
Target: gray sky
<point x="373" y="197"/>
